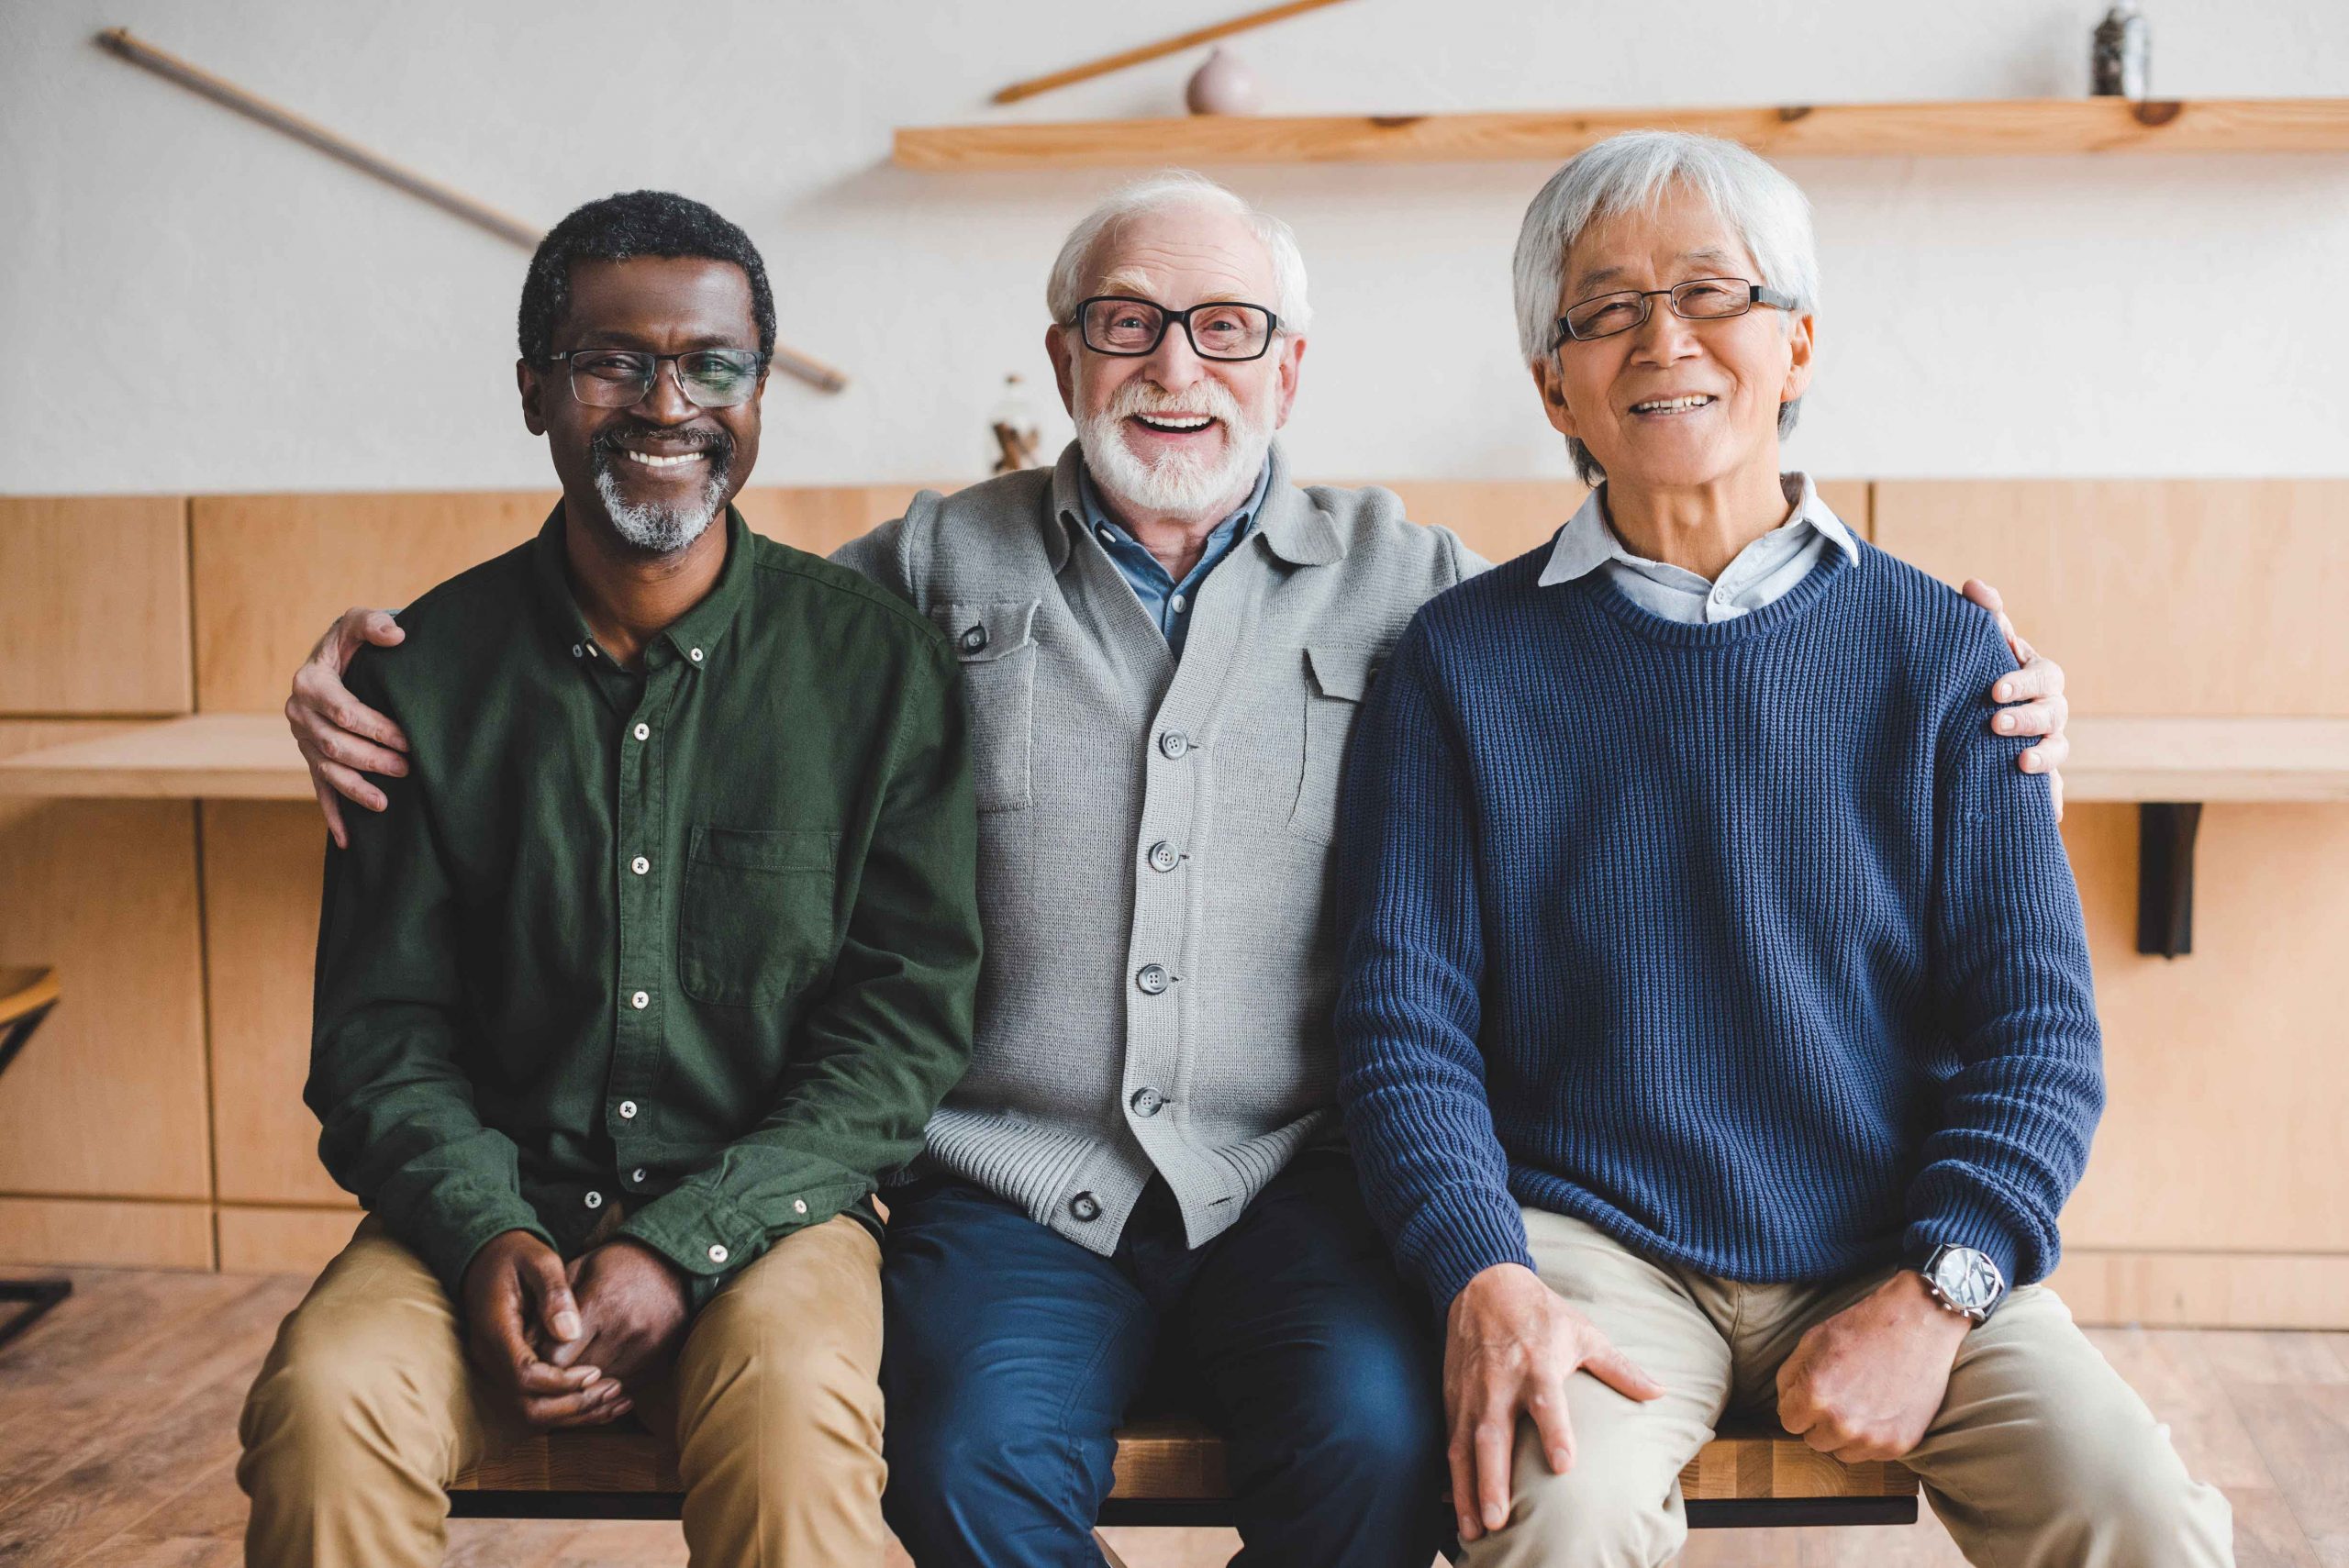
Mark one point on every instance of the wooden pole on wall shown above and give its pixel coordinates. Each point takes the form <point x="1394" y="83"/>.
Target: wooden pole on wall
<point x="1148" y="51"/>
<point x="171" y="67"/>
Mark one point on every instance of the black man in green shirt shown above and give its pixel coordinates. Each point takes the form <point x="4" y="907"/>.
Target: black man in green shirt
<point x="663" y="958"/>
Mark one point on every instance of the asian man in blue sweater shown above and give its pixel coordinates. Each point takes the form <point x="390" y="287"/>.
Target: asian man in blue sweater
<point x="1742" y="1059"/>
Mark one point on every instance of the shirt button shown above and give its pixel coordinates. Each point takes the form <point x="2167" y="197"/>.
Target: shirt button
<point x="975" y="639"/>
<point x="639" y="865"/>
<point x="694" y="654"/>
<point x="1174" y="743"/>
<point x="1162" y="856"/>
<point x="1178" y="604"/>
<point x="716" y="1253"/>
<point x="595" y="1200"/>
<point x="628" y="1110"/>
<point x="577" y="651"/>
<point x="637" y="1175"/>
<point x="799" y="1205"/>
<point x="1151" y="979"/>
<point x="644" y="733"/>
<point x="1085" y="1206"/>
<point x="1105" y="538"/>
<point x="1148" y="1102"/>
<point x="641" y="1001"/>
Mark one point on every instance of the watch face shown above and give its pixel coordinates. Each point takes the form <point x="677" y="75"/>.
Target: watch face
<point x="1968" y="1278"/>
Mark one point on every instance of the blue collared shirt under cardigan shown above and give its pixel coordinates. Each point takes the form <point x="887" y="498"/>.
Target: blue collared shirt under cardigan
<point x="1746" y="942"/>
<point x="1168" y="602"/>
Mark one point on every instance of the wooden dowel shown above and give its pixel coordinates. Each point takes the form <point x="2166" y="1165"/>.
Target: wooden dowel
<point x="310" y="133"/>
<point x="1108" y="63"/>
<point x="229" y="96"/>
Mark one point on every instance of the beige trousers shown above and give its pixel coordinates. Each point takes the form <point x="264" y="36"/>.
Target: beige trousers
<point x="2042" y="1457"/>
<point x="366" y="1408"/>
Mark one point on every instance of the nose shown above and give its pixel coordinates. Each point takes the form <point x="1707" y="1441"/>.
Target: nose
<point x="1174" y="364"/>
<point x="665" y="403"/>
<point x="1664" y="337"/>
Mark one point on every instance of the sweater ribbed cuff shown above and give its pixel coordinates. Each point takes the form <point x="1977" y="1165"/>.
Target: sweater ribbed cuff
<point x="1459" y="1234"/>
<point x="1973" y="1222"/>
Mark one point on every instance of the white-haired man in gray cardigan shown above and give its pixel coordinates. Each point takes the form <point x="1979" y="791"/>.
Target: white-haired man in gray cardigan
<point x="1140" y="1191"/>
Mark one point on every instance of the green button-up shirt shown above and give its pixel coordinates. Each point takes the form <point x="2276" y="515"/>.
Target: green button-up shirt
<point x="699" y="939"/>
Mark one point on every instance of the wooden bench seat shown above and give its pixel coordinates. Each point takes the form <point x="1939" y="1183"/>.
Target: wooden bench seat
<point x="1170" y="1471"/>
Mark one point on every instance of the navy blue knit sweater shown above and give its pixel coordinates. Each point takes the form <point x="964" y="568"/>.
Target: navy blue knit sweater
<point x="1746" y="942"/>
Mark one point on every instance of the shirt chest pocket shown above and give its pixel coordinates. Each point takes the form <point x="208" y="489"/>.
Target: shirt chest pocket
<point x="756" y="922"/>
<point x="1336" y="679"/>
<point x="995" y="640"/>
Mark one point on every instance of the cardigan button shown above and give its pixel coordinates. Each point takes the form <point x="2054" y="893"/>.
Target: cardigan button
<point x="1164" y="856"/>
<point x="1174" y="743"/>
<point x="1152" y="979"/>
<point x="1148" y="1102"/>
<point x="1085" y="1206"/>
<point x="975" y="639"/>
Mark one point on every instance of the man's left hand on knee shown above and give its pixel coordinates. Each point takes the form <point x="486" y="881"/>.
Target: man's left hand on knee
<point x="1865" y="1384"/>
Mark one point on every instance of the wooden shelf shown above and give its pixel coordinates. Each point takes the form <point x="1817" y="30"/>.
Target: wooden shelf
<point x="219" y="756"/>
<point x="2207" y="760"/>
<point x="250" y="756"/>
<point x="1983" y="128"/>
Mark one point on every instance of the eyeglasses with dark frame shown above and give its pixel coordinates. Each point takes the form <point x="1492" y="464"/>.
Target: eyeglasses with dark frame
<point x="1130" y="329"/>
<point x="622" y="378"/>
<point x="1698" y="299"/>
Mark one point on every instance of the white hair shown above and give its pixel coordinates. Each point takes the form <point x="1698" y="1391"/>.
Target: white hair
<point x="1631" y="173"/>
<point x="1168" y="190"/>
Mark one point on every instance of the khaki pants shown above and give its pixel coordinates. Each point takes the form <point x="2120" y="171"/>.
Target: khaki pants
<point x="2040" y="1457"/>
<point x="367" y="1408"/>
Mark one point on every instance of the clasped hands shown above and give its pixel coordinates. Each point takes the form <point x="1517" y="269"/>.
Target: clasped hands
<point x="1862" y="1385"/>
<point x="567" y="1343"/>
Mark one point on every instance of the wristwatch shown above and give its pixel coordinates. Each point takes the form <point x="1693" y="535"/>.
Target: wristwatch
<point x="1965" y="1282"/>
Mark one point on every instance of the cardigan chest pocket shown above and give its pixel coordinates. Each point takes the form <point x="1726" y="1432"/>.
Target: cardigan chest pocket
<point x="755" y="925"/>
<point x="997" y="643"/>
<point x="1336" y="679"/>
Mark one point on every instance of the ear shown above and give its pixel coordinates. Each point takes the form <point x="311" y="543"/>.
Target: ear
<point x="1291" y="352"/>
<point x="1552" y="386"/>
<point x="1799" y="348"/>
<point x="532" y="385"/>
<point x="1064" y="358"/>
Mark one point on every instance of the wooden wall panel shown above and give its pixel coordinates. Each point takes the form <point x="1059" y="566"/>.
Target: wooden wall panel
<point x="94" y="615"/>
<point x="2157" y="596"/>
<point x="262" y="862"/>
<point x="2207" y="1290"/>
<point x="272" y="571"/>
<point x="51" y="1232"/>
<point x="108" y="1098"/>
<point x="283" y="1240"/>
<point x="2227" y="1071"/>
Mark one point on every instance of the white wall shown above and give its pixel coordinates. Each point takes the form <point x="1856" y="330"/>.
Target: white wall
<point x="189" y="302"/>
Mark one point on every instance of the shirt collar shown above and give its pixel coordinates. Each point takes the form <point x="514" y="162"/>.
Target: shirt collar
<point x="1588" y="542"/>
<point x="699" y="630"/>
<point x="1232" y="528"/>
<point x="1286" y="517"/>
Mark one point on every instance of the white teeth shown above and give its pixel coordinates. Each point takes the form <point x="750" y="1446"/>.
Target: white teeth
<point x="1672" y="404"/>
<point x="652" y="461"/>
<point x="1176" y="422"/>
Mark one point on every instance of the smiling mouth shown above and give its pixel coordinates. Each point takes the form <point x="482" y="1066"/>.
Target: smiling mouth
<point x="1173" y="424"/>
<point x="1688" y="404"/>
<point x="655" y="461"/>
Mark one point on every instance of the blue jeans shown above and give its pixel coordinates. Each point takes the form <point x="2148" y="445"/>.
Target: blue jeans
<point x="1010" y="1357"/>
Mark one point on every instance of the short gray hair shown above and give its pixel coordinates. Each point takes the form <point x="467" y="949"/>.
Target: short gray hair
<point x="1162" y="192"/>
<point x="1632" y="171"/>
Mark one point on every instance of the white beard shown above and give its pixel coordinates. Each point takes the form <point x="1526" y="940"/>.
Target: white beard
<point x="659" y="530"/>
<point x="1176" y="483"/>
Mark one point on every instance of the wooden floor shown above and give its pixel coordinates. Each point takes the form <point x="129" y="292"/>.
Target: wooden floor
<point x="117" y="1434"/>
